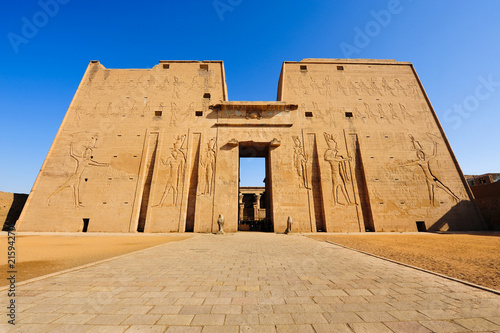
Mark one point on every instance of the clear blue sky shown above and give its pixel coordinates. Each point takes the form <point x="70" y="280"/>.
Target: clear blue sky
<point x="454" y="46"/>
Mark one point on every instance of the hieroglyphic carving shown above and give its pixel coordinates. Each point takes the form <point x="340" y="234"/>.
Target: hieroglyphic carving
<point x="302" y="86"/>
<point x="364" y="88"/>
<point x="423" y="162"/>
<point x="380" y="110"/>
<point x="413" y="90"/>
<point x="399" y="88"/>
<point x="375" y="88"/>
<point x="352" y="88"/>
<point x="176" y="91"/>
<point x="173" y="114"/>
<point x="207" y="166"/>
<point x="342" y="88"/>
<point x="315" y="86"/>
<point x="405" y="113"/>
<point x="300" y="162"/>
<point x="174" y="165"/>
<point x="369" y="112"/>
<point x="339" y="170"/>
<point x="387" y="88"/>
<point x="328" y="86"/>
<point x="393" y="113"/>
<point x="82" y="162"/>
<point x="290" y="85"/>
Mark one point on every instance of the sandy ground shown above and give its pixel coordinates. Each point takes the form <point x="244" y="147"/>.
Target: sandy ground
<point x="469" y="257"/>
<point x="38" y="255"/>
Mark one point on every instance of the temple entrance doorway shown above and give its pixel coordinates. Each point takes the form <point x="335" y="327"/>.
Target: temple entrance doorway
<point x="254" y="188"/>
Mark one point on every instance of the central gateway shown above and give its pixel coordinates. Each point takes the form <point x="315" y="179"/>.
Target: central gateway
<point x="350" y="146"/>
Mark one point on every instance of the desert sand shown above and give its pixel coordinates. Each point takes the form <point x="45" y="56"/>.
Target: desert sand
<point x="38" y="255"/>
<point x="470" y="257"/>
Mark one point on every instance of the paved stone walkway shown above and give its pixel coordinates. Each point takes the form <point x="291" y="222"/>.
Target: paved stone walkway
<point x="251" y="282"/>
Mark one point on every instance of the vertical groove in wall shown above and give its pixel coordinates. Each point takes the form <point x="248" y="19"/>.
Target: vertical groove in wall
<point x="150" y="162"/>
<point x="361" y="184"/>
<point x="193" y="183"/>
<point x="316" y="183"/>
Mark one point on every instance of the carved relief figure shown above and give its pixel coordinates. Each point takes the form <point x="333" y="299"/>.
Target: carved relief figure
<point x="290" y="85"/>
<point x="401" y="91"/>
<point x="393" y="113"/>
<point x="375" y="88"/>
<point x="82" y="162"/>
<point x="387" y="88"/>
<point x="352" y="88"/>
<point x="173" y="110"/>
<point x="176" y="93"/>
<point x="340" y="87"/>
<point x="174" y="165"/>
<point x="423" y="162"/>
<point x="207" y="166"/>
<point x="328" y="86"/>
<point x="364" y="88"/>
<point x="413" y="90"/>
<point x="339" y="167"/>
<point x="302" y="86"/>
<point x="405" y="113"/>
<point x="300" y="162"/>
<point x="369" y="112"/>
<point x="315" y="86"/>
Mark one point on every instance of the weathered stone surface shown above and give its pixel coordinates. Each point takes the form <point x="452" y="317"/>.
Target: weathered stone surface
<point x="351" y="145"/>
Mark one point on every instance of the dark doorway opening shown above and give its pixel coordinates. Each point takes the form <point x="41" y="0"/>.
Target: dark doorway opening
<point x="421" y="226"/>
<point x="254" y="190"/>
<point x="85" y="225"/>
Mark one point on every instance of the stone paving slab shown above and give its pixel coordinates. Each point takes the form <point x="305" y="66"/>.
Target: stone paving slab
<point x="250" y="282"/>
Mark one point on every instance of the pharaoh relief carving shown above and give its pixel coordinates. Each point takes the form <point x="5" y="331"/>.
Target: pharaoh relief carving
<point x="339" y="168"/>
<point x="300" y="162"/>
<point x="423" y="161"/>
<point x="174" y="165"/>
<point x="206" y="169"/>
<point x="84" y="160"/>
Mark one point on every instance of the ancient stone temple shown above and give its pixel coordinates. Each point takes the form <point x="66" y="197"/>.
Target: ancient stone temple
<point x="350" y="145"/>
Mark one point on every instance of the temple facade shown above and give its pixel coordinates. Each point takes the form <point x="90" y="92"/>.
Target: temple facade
<point x="350" y="146"/>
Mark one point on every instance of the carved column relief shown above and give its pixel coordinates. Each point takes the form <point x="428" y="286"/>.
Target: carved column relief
<point x="340" y="172"/>
<point x="207" y="168"/>
<point x="300" y="162"/>
<point x="174" y="165"/>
